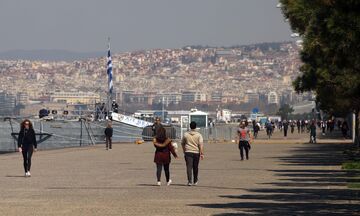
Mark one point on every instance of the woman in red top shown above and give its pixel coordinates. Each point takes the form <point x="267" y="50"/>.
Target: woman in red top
<point x="163" y="152"/>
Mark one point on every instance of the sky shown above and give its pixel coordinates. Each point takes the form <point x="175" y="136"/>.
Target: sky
<point x="85" y="25"/>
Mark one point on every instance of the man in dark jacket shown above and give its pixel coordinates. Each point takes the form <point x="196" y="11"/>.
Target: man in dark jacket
<point x="155" y="127"/>
<point x="286" y="127"/>
<point x="108" y="135"/>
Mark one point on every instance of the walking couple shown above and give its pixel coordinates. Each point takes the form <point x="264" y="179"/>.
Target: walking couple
<point x="192" y="145"/>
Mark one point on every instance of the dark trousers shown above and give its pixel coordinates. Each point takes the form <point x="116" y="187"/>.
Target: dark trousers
<point x="312" y="138"/>
<point x="244" y="145"/>
<point x="108" y="142"/>
<point x="344" y="133"/>
<point x="192" y="165"/>
<point x="255" y="134"/>
<point x="27" y="159"/>
<point x="166" y="169"/>
<point x="285" y="132"/>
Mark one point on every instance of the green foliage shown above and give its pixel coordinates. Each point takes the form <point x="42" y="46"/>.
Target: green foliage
<point x="284" y="111"/>
<point x="351" y="165"/>
<point x="330" y="30"/>
<point x="354" y="185"/>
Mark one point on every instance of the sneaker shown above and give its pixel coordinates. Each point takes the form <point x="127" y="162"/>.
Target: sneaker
<point x="189" y="184"/>
<point x="158" y="183"/>
<point x="26" y="174"/>
<point x="29" y="174"/>
<point x="169" y="182"/>
<point x="195" y="183"/>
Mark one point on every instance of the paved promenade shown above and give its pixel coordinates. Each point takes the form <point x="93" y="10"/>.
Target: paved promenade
<point x="282" y="177"/>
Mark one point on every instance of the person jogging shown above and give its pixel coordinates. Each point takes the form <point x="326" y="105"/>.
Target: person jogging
<point x="27" y="144"/>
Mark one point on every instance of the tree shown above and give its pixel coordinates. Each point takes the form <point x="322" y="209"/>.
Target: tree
<point x="330" y="30"/>
<point x="284" y="111"/>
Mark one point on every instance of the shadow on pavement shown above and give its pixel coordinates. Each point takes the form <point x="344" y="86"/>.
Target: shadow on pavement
<point x="302" y="188"/>
<point x="193" y="187"/>
<point x="15" y="176"/>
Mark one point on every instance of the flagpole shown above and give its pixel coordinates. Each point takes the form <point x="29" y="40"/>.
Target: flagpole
<point x="109" y="93"/>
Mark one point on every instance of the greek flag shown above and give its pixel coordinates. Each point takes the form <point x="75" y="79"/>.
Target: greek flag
<point x="109" y="72"/>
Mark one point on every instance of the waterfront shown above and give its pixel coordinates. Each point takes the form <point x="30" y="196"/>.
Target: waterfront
<point x="92" y="181"/>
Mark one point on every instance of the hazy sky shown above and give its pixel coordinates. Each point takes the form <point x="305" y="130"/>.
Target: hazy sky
<point x="84" y="25"/>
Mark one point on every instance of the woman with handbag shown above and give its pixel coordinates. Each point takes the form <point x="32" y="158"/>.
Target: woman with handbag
<point x="27" y="144"/>
<point x="162" y="157"/>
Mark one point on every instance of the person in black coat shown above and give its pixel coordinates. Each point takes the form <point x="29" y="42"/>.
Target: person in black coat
<point x="156" y="126"/>
<point x="286" y="127"/>
<point x="108" y="135"/>
<point x="27" y="144"/>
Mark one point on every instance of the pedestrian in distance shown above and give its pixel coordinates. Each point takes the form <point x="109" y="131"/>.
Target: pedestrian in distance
<point x="193" y="148"/>
<point x="323" y="127"/>
<point x="312" y="129"/>
<point x="108" y="136"/>
<point x="27" y="144"/>
<point x="115" y="107"/>
<point x="244" y="141"/>
<point x="298" y="125"/>
<point x="344" y="129"/>
<point x="256" y="129"/>
<point x="269" y="129"/>
<point x="331" y="125"/>
<point x="302" y="125"/>
<point x="339" y="125"/>
<point x="286" y="127"/>
<point x="155" y="127"/>
<point x="292" y="126"/>
<point x="162" y="158"/>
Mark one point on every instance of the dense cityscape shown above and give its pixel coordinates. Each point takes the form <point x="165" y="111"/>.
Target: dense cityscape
<point x="237" y="78"/>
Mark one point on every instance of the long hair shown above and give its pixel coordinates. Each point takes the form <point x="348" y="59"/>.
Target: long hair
<point x="161" y="135"/>
<point x="109" y="124"/>
<point x="22" y="125"/>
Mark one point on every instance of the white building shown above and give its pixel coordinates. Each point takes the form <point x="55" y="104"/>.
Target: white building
<point x="273" y="98"/>
<point x="223" y="115"/>
<point x="75" y="97"/>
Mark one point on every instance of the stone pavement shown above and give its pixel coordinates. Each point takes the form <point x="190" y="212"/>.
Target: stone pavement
<point x="282" y="177"/>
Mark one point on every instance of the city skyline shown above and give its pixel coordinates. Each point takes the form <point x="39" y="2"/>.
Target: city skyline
<point x="240" y="78"/>
<point x="83" y="26"/>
